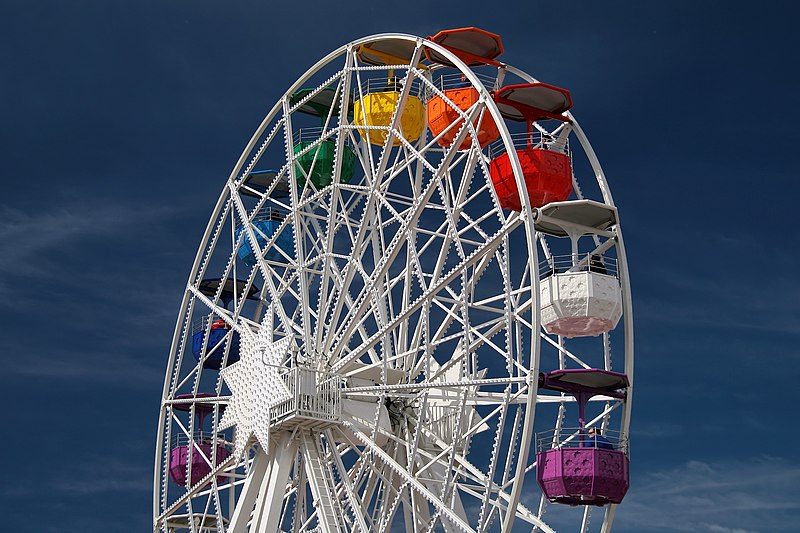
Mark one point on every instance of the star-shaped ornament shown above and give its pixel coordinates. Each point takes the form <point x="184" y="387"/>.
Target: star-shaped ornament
<point x="255" y="385"/>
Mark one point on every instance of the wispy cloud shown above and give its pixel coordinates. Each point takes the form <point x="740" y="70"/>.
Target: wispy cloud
<point x="92" y="288"/>
<point x="69" y="244"/>
<point x="756" y="495"/>
<point x="733" y="281"/>
<point x="716" y="528"/>
<point x="762" y="304"/>
<point x="87" y="486"/>
<point x="28" y="236"/>
<point x="100" y="475"/>
<point x="112" y="367"/>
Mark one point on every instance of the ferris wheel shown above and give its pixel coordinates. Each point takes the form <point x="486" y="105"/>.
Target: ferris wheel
<point x="401" y="313"/>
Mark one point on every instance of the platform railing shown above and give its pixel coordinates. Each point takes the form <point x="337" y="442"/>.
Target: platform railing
<point x="535" y="139"/>
<point x="313" y="394"/>
<point x="313" y="134"/>
<point x="270" y="213"/>
<point x="200" y="437"/>
<point x="561" y="264"/>
<point x="199" y="324"/>
<point x="581" y="438"/>
<point x="387" y="84"/>
<point x="455" y="80"/>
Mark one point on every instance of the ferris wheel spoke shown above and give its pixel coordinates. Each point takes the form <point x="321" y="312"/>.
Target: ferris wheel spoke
<point x="395" y="493"/>
<point x="411" y="480"/>
<point x="374" y="481"/>
<point x="457" y="201"/>
<point x="393" y="248"/>
<point x="437" y="466"/>
<point x="473" y="329"/>
<point x="351" y="268"/>
<point x="265" y="270"/>
<point x="221" y="312"/>
<point x="500" y="505"/>
<point x="488" y="247"/>
<point x="387" y="281"/>
<point x="496" y="328"/>
<point x="356" y="506"/>
<point x="336" y="220"/>
<point x="334" y="279"/>
<point x="479" y="333"/>
<point x="485" y="515"/>
<point x="483" y="488"/>
<point x="357" y="315"/>
<point x="298" y="223"/>
<point x="361" y="330"/>
<point x="479" y="270"/>
<point x="321" y="484"/>
<point x="213" y="234"/>
<point x="196" y="489"/>
<point x="562" y="350"/>
<point x="438" y="472"/>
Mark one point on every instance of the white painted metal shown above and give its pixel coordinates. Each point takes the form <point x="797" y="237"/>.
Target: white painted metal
<point x="388" y="370"/>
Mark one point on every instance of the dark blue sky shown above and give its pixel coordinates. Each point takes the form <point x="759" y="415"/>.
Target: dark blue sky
<point x="121" y="121"/>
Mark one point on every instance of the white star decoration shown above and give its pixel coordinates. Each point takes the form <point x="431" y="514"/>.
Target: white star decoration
<point x="255" y="386"/>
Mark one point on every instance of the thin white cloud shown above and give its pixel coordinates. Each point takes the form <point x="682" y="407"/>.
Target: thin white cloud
<point x="121" y="369"/>
<point x="755" y="495"/>
<point x="716" y="528"/>
<point x="102" y="475"/>
<point x="95" y="486"/>
<point x="32" y="241"/>
<point x="27" y="236"/>
<point x="124" y="318"/>
<point x="732" y="282"/>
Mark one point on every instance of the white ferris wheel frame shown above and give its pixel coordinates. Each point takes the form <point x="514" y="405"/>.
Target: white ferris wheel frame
<point x="281" y="462"/>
